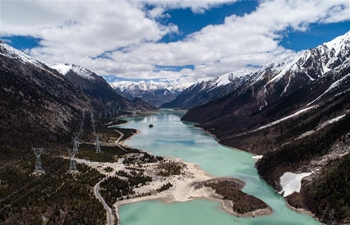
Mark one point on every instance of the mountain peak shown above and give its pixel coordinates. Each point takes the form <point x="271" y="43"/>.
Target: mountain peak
<point x="65" y="68"/>
<point x="13" y="53"/>
<point x="339" y="44"/>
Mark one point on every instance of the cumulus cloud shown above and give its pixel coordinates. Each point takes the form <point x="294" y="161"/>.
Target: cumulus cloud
<point x="80" y="28"/>
<point x="121" y="37"/>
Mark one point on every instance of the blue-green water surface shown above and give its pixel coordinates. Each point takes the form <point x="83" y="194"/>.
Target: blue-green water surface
<point x="172" y="137"/>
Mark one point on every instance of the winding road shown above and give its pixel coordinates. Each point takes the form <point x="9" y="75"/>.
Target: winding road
<point x="110" y="217"/>
<point x="118" y="140"/>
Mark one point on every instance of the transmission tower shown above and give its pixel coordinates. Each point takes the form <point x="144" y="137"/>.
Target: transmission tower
<point x="81" y="127"/>
<point x="76" y="143"/>
<point x="72" y="164"/>
<point x="93" y="124"/>
<point x="98" y="146"/>
<point x="38" y="165"/>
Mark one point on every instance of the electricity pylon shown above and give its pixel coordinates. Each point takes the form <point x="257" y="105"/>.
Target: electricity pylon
<point x="98" y="146"/>
<point x="75" y="143"/>
<point x="81" y="128"/>
<point x="38" y="152"/>
<point x="72" y="164"/>
<point x="93" y="124"/>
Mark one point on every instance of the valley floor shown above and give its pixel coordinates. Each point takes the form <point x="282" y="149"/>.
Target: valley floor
<point x="187" y="185"/>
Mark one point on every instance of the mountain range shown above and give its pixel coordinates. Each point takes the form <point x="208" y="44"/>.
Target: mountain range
<point x="208" y="90"/>
<point x="39" y="105"/>
<point x="94" y="86"/>
<point x="296" y="113"/>
<point x="155" y="93"/>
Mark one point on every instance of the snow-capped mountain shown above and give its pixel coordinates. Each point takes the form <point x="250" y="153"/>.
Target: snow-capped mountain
<point x="79" y="70"/>
<point x="152" y="92"/>
<point x="208" y="90"/>
<point x="278" y="79"/>
<point x="297" y="114"/>
<point x="96" y="87"/>
<point x="273" y="83"/>
<point x="20" y="56"/>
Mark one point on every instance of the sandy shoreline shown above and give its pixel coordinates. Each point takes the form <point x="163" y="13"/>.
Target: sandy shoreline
<point x="184" y="186"/>
<point x="303" y="211"/>
<point x="183" y="189"/>
<point x="125" y="145"/>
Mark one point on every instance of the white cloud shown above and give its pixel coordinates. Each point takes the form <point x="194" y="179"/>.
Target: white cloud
<point x="126" y="34"/>
<point x="80" y="28"/>
<point x="197" y="6"/>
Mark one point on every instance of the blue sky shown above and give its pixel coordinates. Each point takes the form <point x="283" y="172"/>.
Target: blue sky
<point x="170" y="40"/>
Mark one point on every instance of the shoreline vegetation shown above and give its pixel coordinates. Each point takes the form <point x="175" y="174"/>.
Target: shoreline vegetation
<point x="168" y="179"/>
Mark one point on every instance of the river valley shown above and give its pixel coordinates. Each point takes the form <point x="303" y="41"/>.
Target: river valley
<point x="172" y="137"/>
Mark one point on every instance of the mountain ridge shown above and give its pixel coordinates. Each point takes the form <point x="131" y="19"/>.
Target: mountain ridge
<point x="296" y="114"/>
<point x="155" y="93"/>
<point x="208" y="90"/>
<point x="38" y="106"/>
<point x="101" y="93"/>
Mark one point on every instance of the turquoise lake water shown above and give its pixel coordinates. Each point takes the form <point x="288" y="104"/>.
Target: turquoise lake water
<point x="172" y="137"/>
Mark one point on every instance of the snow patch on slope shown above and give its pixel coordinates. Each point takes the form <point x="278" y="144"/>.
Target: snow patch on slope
<point x="223" y="80"/>
<point x="328" y="122"/>
<point x="288" y="64"/>
<point x="331" y="87"/>
<point x="286" y="118"/>
<point x="65" y="68"/>
<point x="291" y="182"/>
<point x="229" y="77"/>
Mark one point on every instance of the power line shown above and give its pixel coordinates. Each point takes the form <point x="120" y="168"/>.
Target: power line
<point x="20" y="159"/>
<point x="16" y="163"/>
<point x="38" y="184"/>
<point x="32" y="181"/>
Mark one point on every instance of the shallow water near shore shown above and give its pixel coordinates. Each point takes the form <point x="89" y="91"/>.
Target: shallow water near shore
<point x="172" y="137"/>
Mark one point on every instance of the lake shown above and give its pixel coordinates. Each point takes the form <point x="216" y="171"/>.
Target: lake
<point x="172" y="137"/>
